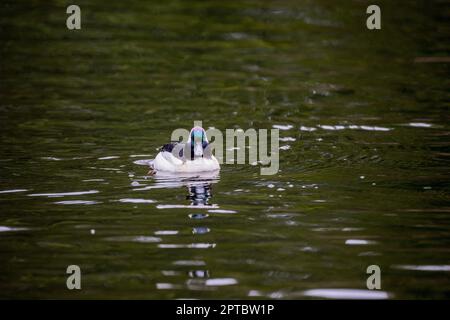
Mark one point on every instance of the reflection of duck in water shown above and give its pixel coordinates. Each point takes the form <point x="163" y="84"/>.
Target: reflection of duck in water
<point x="193" y="156"/>
<point x="199" y="194"/>
<point x="199" y="186"/>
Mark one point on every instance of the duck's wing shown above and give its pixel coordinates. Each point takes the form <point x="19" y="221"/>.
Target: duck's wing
<point x="169" y="148"/>
<point x="207" y="152"/>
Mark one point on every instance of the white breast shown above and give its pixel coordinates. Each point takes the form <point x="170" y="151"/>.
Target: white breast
<point x="165" y="161"/>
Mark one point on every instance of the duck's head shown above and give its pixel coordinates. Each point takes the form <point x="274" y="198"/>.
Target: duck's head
<point x="197" y="141"/>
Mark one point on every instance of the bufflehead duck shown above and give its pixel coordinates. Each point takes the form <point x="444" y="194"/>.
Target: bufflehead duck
<point x="193" y="156"/>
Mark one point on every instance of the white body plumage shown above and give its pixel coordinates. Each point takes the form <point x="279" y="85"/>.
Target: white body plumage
<point x="166" y="161"/>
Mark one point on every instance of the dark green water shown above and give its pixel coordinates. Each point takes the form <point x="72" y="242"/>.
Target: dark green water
<point x="365" y="181"/>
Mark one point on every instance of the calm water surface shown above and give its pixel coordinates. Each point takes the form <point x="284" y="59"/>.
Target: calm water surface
<point x="364" y="156"/>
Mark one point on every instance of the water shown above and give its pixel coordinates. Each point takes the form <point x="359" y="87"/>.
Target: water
<point x="364" y="156"/>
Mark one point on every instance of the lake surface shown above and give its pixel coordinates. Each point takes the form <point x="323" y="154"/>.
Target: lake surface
<point x="364" y="158"/>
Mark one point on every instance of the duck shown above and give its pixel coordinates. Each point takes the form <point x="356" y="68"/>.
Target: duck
<point x="194" y="156"/>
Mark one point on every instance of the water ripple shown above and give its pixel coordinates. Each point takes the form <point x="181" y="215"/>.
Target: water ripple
<point x="420" y="125"/>
<point x="62" y="194"/>
<point x="189" y="263"/>
<point x="358" y="242"/>
<point x="133" y="200"/>
<point x="84" y="202"/>
<point x="222" y="211"/>
<point x="166" y="232"/>
<point x="424" y="267"/>
<point x="13" y="190"/>
<point x="180" y="206"/>
<point x="221" y="282"/>
<point x="7" y="229"/>
<point x="189" y="246"/>
<point x="142" y="239"/>
<point x="283" y="127"/>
